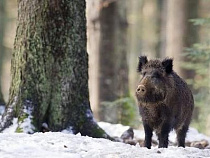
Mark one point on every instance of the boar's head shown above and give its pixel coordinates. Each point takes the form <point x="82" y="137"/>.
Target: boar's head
<point x="156" y="79"/>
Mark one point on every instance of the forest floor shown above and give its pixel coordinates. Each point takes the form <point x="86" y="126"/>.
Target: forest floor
<point x="66" y="145"/>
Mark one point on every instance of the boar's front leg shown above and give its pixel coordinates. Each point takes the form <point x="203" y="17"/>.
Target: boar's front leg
<point x="148" y="135"/>
<point x="163" y="135"/>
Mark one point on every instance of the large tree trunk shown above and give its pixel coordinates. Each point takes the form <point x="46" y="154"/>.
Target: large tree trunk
<point x="2" y="30"/>
<point x="113" y="72"/>
<point x="50" y="68"/>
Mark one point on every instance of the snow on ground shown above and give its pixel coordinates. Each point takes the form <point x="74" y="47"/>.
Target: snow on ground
<point x="116" y="130"/>
<point x="62" y="145"/>
<point x="66" y="145"/>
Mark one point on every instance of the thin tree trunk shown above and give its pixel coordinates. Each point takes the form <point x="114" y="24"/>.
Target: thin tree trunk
<point x="163" y="19"/>
<point x="134" y="42"/>
<point x="191" y="34"/>
<point x="150" y="28"/>
<point x="93" y="33"/>
<point x="50" y="69"/>
<point x="180" y="33"/>
<point x="176" y="29"/>
<point x="2" y="50"/>
<point x="113" y="70"/>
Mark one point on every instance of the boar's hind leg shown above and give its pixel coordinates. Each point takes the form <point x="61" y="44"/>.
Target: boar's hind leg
<point x="148" y="136"/>
<point x="163" y="135"/>
<point x="181" y="134"/>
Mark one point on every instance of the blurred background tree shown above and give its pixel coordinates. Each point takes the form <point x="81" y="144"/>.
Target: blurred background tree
<point x="2" y="30"/>
<point x="108" y="57"/>
<point x="8" y="15"/>
<point x="199" y="55"/>
<point x="118" y="32"/>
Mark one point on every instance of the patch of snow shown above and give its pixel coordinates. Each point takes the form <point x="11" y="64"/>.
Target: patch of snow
<point x="13" y="127"/>
<point x="194" y="135"/>
<point x="115" y="130"/>
<point x="26" y="125"/>
<point x="69" y="130"/>
<point x="2" y="109"/>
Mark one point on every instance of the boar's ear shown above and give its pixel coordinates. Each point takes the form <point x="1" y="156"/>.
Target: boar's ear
<point x="168" y="65"/>
<point x="142" y="61"/>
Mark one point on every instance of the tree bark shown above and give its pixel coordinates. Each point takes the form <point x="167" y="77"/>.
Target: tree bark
<point x="50" y="68"/>
<point x="2" y="30"/>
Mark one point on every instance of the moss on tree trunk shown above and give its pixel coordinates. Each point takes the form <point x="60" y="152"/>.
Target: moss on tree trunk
<point x="50" y="67"/>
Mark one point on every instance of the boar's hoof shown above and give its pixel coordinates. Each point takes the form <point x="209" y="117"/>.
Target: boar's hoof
<point x="141" y="89"/>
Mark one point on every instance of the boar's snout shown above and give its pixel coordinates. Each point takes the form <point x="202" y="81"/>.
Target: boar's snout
<point x="141" y="89"/>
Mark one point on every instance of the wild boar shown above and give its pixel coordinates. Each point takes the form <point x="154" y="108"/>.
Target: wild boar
<point x="165" y="101"/>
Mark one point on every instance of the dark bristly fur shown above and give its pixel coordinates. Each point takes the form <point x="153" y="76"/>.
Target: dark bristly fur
<point x="165" y="101"/>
